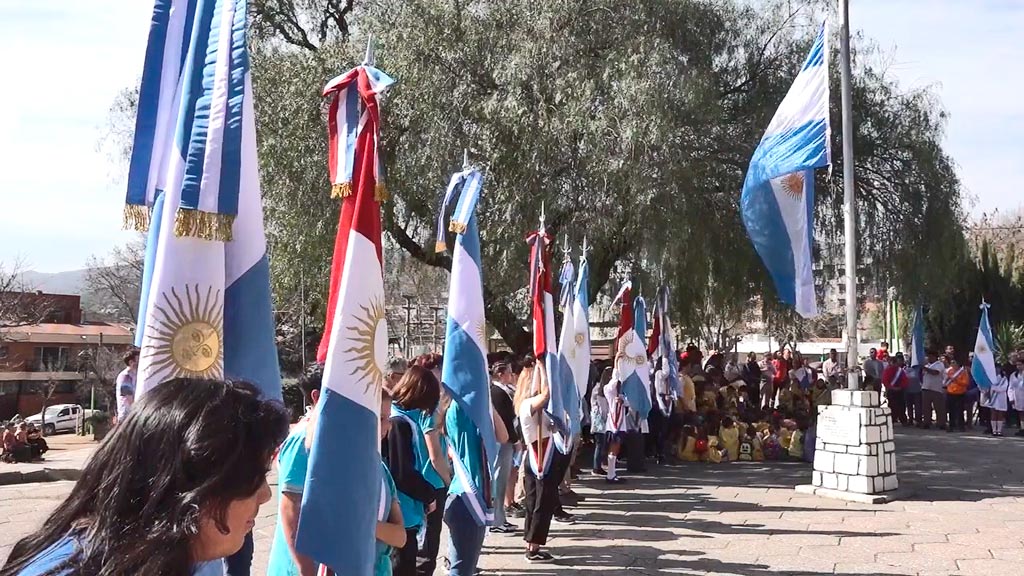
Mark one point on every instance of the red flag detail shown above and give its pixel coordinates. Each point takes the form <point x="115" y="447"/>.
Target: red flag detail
<point x="360" y="211"/>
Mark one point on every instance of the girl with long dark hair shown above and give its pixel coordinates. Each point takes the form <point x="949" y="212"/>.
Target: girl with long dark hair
<point x="406" y="456"/>
<point x="177" y="484"/>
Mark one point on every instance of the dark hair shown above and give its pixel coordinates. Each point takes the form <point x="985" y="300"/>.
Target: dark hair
<point x="187" y="445"/>
<point x="310" y="381"/>
<point x="417" y="390"/>
<point x="130" y="355"/>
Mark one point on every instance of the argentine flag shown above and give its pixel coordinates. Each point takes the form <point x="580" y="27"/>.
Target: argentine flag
<point x="983" y="367"/>
<point x="631" y="368"/>
<point x="205" y="309"/>
<point x="464" y="370"/>
<point x="341" y="500"/>
<point x="777" y="203"/>
<point x="579" y="349"/>
<point x="917" y="339"/>
<point x="567" y="348"/>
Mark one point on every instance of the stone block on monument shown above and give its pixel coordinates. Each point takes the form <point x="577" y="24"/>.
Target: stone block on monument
<point x="860" y="484"/>
<point x="824" y="461"/>
<point x="841" y="397"/>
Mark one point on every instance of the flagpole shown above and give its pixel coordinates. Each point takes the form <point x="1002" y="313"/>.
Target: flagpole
<point x="849" y="200"/>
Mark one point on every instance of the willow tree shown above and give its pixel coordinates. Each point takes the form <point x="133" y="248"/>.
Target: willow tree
<point x="630" y="123"/>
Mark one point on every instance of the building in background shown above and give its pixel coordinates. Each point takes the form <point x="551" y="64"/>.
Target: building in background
<point x="48" y="347"/>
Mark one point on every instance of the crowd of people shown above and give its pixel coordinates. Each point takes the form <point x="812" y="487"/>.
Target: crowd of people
<point x="201" y="451"/>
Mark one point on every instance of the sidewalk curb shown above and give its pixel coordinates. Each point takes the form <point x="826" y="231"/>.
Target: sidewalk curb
<point x="44" y="475"/>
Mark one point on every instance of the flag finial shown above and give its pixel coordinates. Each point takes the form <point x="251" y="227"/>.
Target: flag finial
<point x="370" y="56"/>
<point x="542" y="215"/>
<point x="465" y="158"/>
<point x="566" y="250"/>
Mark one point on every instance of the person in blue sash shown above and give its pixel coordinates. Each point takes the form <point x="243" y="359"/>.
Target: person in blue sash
<point x="406" y="456"/>
<point x="469" y="507"/>
<point x="177" y="486"/>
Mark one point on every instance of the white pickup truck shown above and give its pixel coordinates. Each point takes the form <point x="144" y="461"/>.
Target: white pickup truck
<point x="60" y="418"/>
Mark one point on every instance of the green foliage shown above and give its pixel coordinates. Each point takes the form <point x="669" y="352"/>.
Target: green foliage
<point x="632" y="123"/>
<point x="1009" y="338"/>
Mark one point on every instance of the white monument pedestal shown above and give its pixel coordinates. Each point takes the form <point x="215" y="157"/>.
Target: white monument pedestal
<point x="854" y="452"/>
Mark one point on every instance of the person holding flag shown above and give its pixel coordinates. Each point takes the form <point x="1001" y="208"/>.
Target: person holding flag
<point x="340" y="503"/>
<point x="473" y="428"/>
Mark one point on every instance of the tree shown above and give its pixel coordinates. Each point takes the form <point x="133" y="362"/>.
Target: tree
<point x="631" y="124"/>
<point x="19" y="304"/>
<point x="113" y="282"/>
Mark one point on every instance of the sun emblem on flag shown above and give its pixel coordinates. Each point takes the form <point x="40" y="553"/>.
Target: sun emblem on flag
<point x="580" y="339"/>
<point x="981" y="349"/>
<point x="793" y="184"/>
<point x="480" y="331"/>
<point x="187" y="334"/>
<point x="368" y="333"/>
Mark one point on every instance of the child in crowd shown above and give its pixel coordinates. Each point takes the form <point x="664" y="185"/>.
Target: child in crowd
<point x="729" y="436"/>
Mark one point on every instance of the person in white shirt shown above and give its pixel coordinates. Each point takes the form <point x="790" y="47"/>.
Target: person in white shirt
<point x="615" y="426"/>
<point x="1016" y="391"/>
<point x="996" y="398"/>
<point x="933" y="391"/>
<point x="832" y="369"/>
<point x="125" y="384"/>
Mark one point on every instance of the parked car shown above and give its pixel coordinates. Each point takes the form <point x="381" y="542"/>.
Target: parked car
<point x="60" y="418"/>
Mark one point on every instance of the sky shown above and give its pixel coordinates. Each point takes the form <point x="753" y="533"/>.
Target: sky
<point x="66" y="60"/>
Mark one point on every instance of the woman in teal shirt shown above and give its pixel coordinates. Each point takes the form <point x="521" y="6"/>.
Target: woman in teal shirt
<point x="405" y="453"/>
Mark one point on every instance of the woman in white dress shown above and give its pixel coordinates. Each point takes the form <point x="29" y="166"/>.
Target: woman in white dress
<point x="996" y="399"/>
<point x="1016" y="392"/>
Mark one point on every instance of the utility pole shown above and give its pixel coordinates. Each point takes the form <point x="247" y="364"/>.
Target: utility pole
<point x="849" y="201"/>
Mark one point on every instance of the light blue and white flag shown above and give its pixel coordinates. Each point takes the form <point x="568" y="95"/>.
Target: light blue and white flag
<point x="917" y="338"/>
<point x="566" y="347"/>
<point x="579" y="354"/>
<point x="983" y="367"/>
<point x="464" y="370"/>
<point x="632" y="368"/>
<point x="777" y="204"/>
<point x="205" y="309"/>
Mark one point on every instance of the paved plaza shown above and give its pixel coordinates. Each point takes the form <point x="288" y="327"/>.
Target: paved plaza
<point x="965" y="515"/>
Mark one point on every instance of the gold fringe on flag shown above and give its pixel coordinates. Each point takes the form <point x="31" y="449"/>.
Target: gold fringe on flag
<point x="136" y="217"/>
<point x="204" y="225"/>
<point x="380" y="192"/>
<point x="343" y="190"/>
<point x="440" y="247"/>
<point x="457" y="227"/>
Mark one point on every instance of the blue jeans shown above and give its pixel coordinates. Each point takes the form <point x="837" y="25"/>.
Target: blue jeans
<point x="600" y="450"/>
<point x="465" y="537"/>
<point x="502" y="472"/>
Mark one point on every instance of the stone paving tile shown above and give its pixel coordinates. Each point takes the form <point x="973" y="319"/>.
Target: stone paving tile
<point x="1012" y="554"/>
<point x="988" y="567"/>
<point x="741" y="521"/>
<point x="917" y="561"/>
<point x="872" y="568"/>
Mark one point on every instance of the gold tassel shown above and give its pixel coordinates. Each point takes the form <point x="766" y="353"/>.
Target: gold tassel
<point x="136" y="218"/>
<point x="380" y="192"/>
<point x="204" y="225"/>
<point x="440" y="246"/>
<point x="343" y="190"/>
<point x="457" y="227"/>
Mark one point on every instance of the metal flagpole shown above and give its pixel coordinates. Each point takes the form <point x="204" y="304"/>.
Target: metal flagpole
<point x="849" y="201"/>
